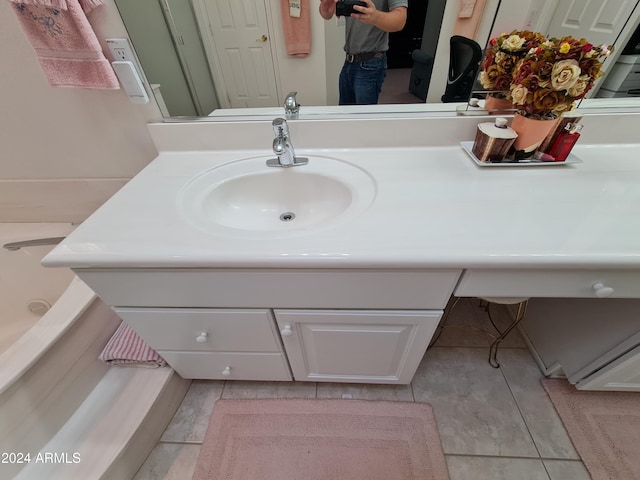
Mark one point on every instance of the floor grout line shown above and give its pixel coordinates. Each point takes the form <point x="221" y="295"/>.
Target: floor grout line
<point x="510" y="457"/>
<point x="175" y="442"/>
<point x="524" y="420"/>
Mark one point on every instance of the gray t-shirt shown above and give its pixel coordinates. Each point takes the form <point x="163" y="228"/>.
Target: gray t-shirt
<point x="361" y="37"/>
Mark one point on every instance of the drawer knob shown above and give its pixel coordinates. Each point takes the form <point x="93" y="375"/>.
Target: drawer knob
<point x="227" y="371"/>
<point x="203" y="337"/>
<point x="286" y="331"/>
<point x="602" y="291"/>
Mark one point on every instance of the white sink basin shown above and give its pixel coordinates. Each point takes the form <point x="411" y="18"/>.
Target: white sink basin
<point x="246" y="197"/>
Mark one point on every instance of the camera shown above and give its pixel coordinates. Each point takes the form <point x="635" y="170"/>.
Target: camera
<point x="344" y="8"/>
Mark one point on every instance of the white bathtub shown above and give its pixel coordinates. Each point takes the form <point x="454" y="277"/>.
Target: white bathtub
<point x="23" y="281"/>
<point x="48" y="364"/>
<point x="25" y="335"/>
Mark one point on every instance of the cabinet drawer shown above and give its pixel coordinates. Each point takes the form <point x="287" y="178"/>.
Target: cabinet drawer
<point x="239" y="366"/>
<point x="549" y="283"/>
<point x="274" y="288"/>
<point x="204" y="329"/>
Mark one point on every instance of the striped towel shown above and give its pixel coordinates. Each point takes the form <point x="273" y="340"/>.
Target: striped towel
<point x="127" y="349"/>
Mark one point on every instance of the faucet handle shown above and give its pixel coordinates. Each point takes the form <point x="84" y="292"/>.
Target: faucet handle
<point x="280" y="127"/>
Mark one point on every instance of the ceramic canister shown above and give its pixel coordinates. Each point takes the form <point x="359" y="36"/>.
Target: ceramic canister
<point x="493" y="140"/>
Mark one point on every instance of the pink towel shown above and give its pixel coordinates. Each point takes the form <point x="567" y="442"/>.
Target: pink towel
<point x="297" y="30"/>
<point x="127" y="349"/>
<point x="67" y="48"/>
<point x="87" y="5"/>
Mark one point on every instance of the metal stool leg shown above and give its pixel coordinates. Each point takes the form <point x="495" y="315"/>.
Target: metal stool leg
<point x="493" y="349"/>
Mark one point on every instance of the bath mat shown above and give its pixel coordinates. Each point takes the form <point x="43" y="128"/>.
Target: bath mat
<point x="126" y="349"/>
<point x="603" y="426"/>
<point x="321" y="440"/>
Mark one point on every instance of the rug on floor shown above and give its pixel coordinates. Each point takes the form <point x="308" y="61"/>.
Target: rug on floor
<point x="321" y="439"/>
<point x="603" y="426"/>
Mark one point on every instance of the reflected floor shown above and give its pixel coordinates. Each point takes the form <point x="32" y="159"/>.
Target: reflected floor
<point x="495" y="424"/>
<point x="395" y="89"/>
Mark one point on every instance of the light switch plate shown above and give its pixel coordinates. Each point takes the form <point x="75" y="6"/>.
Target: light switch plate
<point x="466" y="8"/>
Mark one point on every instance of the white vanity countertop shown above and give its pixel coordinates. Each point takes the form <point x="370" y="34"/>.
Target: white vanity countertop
<point x="434" y="208"/>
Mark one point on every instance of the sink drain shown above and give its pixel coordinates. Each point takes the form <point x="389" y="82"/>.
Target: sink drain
<point x="38" y="307"/>
<point x="287" y="216"/>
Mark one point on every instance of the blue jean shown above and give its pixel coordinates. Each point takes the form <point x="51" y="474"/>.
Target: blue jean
<point x="360" y="83"/>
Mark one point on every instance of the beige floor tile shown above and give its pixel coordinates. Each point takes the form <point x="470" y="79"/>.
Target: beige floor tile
<point x="190" y="422"/>
<point x="473" y="406"/>
<point x="523" y="377"/>
<point x="566" y="470"/>
<point x="461" y="326"/>
<point x="495" y="468"/>
<point x="401" y="393"/>
<point x="244" y="390"/>
<point x="169" y="461"/>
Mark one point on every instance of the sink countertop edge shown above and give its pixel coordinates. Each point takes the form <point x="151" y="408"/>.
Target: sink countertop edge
<point x="440" y="210"/>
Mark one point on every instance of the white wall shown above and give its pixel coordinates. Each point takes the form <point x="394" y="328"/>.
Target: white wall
<point x="63" y="151"/>
<point x="334" y="45"/>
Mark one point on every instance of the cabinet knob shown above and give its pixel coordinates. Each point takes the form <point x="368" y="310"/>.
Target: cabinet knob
<point x="286" y="331"/>
<point x="227" y="371"/>
<point x="602" y="291"/>
<point x="203" y="337"/>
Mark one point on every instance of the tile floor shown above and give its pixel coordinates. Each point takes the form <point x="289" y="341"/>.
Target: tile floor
<point x="495" y="424"/>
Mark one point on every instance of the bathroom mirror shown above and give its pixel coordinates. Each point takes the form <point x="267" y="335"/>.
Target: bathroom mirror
<point x="179" y="45"/>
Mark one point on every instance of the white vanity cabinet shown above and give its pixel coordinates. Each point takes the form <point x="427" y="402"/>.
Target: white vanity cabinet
<point x="333" y="325"/>
<point x="596" y="342"/>
<point x="212" y="344"/>
<point x="356" y="345"/>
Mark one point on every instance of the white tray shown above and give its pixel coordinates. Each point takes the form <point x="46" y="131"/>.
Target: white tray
<point x="467" y="146"/>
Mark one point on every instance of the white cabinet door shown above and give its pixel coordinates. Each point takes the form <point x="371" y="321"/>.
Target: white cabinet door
<point x="622" y="375"/>
<point x="360" y="346"/>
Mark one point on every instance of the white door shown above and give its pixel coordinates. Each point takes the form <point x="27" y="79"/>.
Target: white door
<point x="599" y="21"/>
<point x="622" y="375"/>
<point x="239" y="46"/>
<point x="360" y="346"/>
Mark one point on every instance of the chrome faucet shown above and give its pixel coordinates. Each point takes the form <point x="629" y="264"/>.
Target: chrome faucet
<point x="291" y="106"/>
<point x="283" y="148"/>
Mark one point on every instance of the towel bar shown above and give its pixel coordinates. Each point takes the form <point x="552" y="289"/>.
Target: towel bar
<point x="13" y="246"/>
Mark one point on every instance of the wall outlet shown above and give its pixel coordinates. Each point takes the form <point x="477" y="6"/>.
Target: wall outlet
<point x="121" y="50"/>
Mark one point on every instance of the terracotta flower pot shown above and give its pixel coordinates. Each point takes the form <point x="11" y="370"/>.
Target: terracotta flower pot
<point x="531" y="133"/>
<point x="495" y="105"/>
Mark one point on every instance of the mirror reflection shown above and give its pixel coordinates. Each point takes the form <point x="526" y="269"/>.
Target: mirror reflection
<point x="204" y="57"/>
